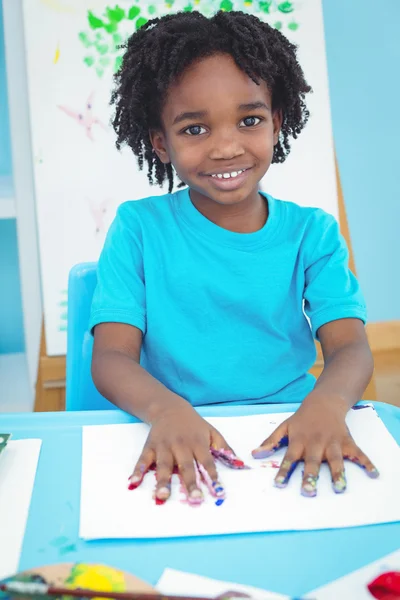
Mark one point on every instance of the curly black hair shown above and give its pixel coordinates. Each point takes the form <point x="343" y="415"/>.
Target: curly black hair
<point x="158" y="53"/>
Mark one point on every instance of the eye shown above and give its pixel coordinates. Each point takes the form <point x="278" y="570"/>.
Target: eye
<point x="250" y="121"/>
<point x="195" y="130"/>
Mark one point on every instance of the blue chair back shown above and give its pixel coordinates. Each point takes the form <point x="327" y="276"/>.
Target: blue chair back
<point x="81" y="393"/>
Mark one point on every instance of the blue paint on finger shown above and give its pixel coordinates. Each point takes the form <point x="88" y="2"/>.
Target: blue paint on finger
<point x="281" y="481"/>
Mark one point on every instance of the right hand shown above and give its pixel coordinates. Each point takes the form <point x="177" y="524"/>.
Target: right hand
<point x="180" y="438"/>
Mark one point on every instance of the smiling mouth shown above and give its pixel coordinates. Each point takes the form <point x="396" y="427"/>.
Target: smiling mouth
<point x="228" y="175"/>
<point x="229" y="181"/>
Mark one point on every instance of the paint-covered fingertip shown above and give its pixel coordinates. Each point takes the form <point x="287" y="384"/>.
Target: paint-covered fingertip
<point x="308" y="493"/>
<point x="160" y="501"/>
<point x="372" y="473"/>
<point x="280" y="483"/>
<point x="339" y="483"/>
<point x="338" y="488"/>
<point x="218" y="490"/>
<point x="133" y="486"/>
<point x="260" y="453"/>
<point x="163" y="493"/>
<point x="134" y="482"/>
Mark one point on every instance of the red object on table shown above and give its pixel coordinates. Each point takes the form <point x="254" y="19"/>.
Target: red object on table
<point x="386" y="586"/>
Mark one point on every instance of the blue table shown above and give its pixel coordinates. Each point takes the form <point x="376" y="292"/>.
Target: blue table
<point x="291" y="563"/>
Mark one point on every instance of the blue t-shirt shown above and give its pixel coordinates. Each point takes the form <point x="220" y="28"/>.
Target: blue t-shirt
<point x="222" y="312"/>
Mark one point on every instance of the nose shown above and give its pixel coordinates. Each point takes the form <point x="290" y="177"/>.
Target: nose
<point x="225" y="145"/>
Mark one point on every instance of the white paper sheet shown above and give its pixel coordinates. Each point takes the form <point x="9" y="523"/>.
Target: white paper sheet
<point x="354" y="585"/>
<point x="109" y="510"/>
<point x="179" y="583"/>
<point x="18" y="466"/>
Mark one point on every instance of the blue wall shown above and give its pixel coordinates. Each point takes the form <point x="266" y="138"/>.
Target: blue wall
<point x="363" y="48"/>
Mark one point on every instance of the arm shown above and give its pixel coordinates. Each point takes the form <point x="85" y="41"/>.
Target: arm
<point x="348" y="364"/>
<point x="119" y="377"/>
<point x="178" y="435"/>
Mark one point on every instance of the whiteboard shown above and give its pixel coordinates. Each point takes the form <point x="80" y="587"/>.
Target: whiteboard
<point x="80" y="178"/>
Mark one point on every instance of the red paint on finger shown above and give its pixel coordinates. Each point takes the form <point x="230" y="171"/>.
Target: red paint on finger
<point x="160" y="501"/>
<point x="134" y="484"/>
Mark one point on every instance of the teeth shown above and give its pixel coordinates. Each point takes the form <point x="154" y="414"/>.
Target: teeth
<point x="228" y="175"/>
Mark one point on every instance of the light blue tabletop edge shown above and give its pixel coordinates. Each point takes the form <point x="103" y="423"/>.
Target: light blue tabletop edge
<point x="39" y="420"/>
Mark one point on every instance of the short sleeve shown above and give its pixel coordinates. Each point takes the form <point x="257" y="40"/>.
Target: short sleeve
<point x="120" y="293"/>
<point x="331" y="290"/>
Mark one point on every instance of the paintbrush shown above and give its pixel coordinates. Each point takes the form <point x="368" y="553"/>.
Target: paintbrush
<point x="30" y="589"/>
<point x="43" y="590"/>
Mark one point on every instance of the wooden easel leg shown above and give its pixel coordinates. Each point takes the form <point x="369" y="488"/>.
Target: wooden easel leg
<point x="50" y="384"/>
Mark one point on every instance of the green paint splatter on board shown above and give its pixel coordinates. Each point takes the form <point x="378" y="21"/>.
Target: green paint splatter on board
<point x="115" y="15"/>
<point x="134" y="11"/>
<point x="109" y="29"/>
<point x="226" y="5"/>
<point x="94" y="22"/>
<point x="102" y="48"/>
<point x="286" y="7"/>
<point x="265" y="7"/>
<point x="84" y="38"/>
<point x="140" y="22"/>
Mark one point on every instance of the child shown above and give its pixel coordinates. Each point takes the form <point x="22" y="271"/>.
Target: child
<point x="200" y="293"/>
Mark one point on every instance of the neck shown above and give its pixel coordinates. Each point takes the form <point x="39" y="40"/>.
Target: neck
<point x="247" y="216"/>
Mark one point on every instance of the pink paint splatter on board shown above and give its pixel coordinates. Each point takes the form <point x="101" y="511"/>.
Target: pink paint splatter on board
<point x="270" y="464"/>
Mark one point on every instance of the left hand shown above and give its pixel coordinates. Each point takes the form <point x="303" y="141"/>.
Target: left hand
<point x="317" y="432"/>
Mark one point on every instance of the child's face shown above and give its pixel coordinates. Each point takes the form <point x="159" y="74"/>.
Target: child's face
<point x="217" y="121"/>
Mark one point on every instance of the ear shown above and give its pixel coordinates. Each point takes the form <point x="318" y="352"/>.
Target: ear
<point x="277" y="119"/>
<point x="157" y="139"/>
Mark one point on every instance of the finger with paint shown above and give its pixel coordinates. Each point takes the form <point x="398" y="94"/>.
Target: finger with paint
<point x="285" y="472"/>
<point x="188" y="497"/>
<point x="277" y="440"/>
<point x="228" y="458"/>
<point x="164" y="468"/>
<point x="142" y="467"/>
<point x="355" y="455"/>
<point x="215" y="487"/>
